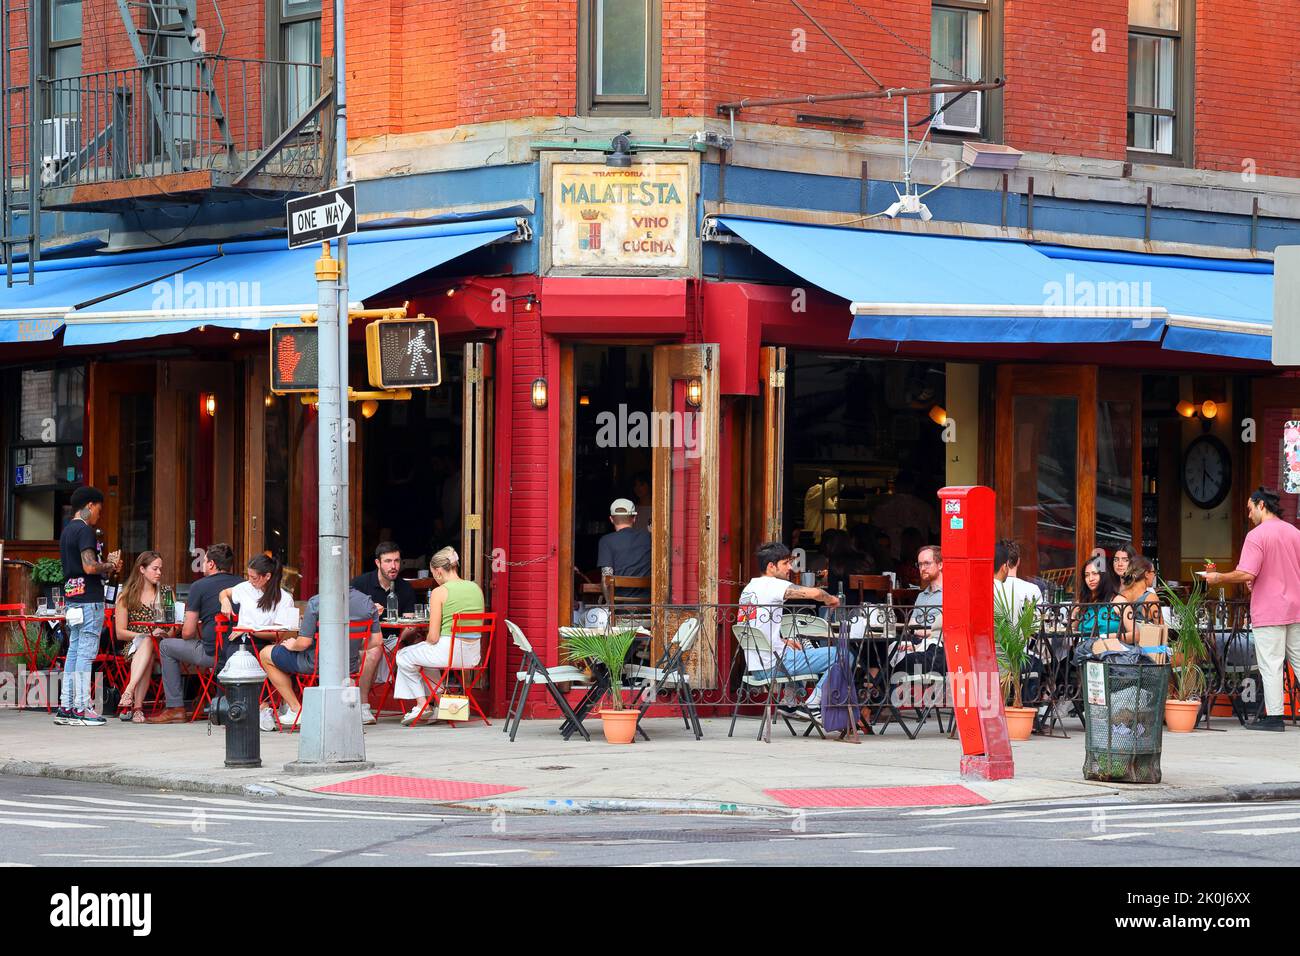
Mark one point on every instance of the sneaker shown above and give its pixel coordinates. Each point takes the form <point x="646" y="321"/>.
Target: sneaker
<point x="1267" y="723"/>
<point x="792" y="712"/>
<point x="62" y="715"/>
<point x="266" y="720"/>
<point x="408" y="718"/>
<point x="289" y="719"/>
<point x="367" y="715"/>
<point x="88" y="718"/>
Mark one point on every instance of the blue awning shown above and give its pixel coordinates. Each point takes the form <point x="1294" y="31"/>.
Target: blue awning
<point x="254" y="285"/>
<point x="35" y="313"/>
<point x="924" y="288"/>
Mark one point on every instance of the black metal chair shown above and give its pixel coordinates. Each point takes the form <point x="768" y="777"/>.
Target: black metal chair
<point x="535" y="672"/>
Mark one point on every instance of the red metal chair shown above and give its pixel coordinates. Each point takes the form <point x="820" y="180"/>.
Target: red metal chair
<point x="477" y="628"/>
<point x="208" y="675"/>
<point x="357" y="631"/>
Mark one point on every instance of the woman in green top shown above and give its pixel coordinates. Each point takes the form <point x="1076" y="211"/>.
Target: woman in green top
<point x="452" y="596"/>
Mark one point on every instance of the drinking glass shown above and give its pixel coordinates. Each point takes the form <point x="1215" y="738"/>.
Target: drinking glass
<point x="42" y="608"/>
<point x="57" y="594"/>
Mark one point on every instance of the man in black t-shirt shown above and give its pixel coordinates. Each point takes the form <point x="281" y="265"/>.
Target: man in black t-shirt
<point x="84" y="570"/>
<point x="197" y="644"/>
<point x="377" y="585"/>
<point x="626" y="549"/>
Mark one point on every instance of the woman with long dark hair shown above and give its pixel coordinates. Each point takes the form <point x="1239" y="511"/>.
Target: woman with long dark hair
<point x="265" y="608"/>
<point x="136" y="608"/>
<point x="1093" y="614"/>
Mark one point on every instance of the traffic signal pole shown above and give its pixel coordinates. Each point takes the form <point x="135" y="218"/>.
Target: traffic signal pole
<point x="331" y="736"/>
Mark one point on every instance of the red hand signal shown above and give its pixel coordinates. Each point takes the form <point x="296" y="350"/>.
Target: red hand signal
<point x="287" y="358"/>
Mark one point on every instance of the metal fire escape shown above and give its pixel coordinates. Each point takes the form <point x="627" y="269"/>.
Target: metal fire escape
<point x="19" y="196"/>
<point x="176" y="126"/>
<point x="165" y="26"/>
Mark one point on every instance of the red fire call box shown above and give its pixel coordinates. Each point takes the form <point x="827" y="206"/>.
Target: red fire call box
<point x="968" y="519"/>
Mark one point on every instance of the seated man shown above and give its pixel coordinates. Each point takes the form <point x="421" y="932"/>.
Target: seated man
<point x="626" y="549"/>
<point x="197" y="645"/>
<point x="920" y="651"/>
<point x="297" y="655"/>
<point x="378" y="584"/>
<point x="762" y="606"/>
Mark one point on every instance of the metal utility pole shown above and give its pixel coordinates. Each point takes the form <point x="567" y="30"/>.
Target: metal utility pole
<point x="331" y="735"/>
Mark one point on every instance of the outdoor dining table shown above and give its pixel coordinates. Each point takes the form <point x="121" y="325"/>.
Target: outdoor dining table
<point x="599" y="687"/>
<point x="56" y="624"/>
<point x="390" y="654"/>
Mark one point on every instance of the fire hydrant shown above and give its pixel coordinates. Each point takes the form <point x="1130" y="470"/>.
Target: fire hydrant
<point x="237" y="710"/>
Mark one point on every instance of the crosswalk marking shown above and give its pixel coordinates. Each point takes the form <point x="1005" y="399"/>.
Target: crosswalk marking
<point x="1258" y="831"/>
<point x="49" y="824"/>
<point x="825" y="836"/>
<point x="908" y="849"/>
<point x="1103" y="836"/>
<point x="1222" y="821"/>
<point x="231" y="806"/>
<point x="480" y="852"/>
<point x="1112" y="816"/>
<point x="676" y="863"/>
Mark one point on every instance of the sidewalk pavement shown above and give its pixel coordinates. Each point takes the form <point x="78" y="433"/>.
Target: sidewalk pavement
<point x="476" y="766"/>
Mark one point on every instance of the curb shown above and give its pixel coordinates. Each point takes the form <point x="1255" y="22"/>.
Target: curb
<point x="126" y="777"/>
<point x="1228" y="793"/>
<point x="581" y="805"/>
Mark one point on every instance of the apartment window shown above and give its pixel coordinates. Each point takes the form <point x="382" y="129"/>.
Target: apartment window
<point x="966" y="47"/>
<point x="1160" y="73"/>
<point x="63" y="55"/>
<point x="294" y="32"/>
<point x="618" y="57"/>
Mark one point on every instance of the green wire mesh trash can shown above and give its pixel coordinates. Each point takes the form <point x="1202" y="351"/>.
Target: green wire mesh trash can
<point x="1124" y="718"/>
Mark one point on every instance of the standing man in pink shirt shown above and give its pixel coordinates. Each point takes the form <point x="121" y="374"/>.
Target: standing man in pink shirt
<point x="1270" y="567"/>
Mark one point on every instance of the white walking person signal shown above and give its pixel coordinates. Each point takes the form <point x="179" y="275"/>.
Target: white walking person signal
<point x="416" y="349"/>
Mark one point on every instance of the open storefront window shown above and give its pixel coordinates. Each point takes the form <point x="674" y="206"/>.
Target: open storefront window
<point x="46" y="456"/>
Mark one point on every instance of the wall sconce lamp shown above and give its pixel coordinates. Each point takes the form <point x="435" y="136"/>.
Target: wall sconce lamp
<point x="269" y="401"/>
<point x="1186" y="409"/>
<point x="694" y="393"/>
<point x="1209" y="409"/>
<point x="938" y="415"/>
<point x="539" y="393"/>
<point x="210" y="405"/>
<point x="369" y="407"/>
<point x="584" y="399"/>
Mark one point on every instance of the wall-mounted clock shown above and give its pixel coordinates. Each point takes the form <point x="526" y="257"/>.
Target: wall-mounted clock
<point x="1207" y="471"/>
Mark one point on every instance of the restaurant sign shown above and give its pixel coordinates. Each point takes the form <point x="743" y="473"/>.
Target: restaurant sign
<point x="607" y="218"/>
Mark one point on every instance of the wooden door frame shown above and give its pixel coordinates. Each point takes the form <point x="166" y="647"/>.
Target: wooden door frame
<point x="102" y="437"/>
<point x="568" y="460"/>
<point x="1067" y="381"/>
<point x="476" y="463"/>
<point x="1123" y="385"/>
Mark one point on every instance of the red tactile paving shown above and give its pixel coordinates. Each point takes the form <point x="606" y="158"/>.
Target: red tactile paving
<point x="944" y="796"/>
<point x="424" y="788"/>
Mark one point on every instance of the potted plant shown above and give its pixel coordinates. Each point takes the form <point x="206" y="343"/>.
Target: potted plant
<point x="48" y="573"/>
<point x="1012" y="633"/>
<point x="1184" y="707"/>
<point x="609" y="648"/>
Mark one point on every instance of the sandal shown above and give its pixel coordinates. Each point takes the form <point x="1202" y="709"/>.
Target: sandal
<point x="125" y="706"/>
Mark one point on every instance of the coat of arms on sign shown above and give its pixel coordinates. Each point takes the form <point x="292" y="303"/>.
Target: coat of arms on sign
<point x="1291" y="458"/>
<point x="591" y="239"/>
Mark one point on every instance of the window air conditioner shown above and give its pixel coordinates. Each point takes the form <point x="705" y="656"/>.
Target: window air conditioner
<point x="963" y="116"/>
<point x="60" y="139"/>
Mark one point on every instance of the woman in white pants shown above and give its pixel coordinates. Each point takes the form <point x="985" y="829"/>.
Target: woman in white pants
<point x="452" y="596"/>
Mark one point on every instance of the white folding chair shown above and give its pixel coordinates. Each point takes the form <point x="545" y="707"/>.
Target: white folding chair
<point x="752" y="640"/>
<point x="670" y="673"/>
<point x="535" y="672"/>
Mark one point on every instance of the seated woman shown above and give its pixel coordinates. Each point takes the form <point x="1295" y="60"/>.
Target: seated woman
<point x="136" y="608"/>
<point x="1137" y="602"/>
<point x="1093" y="615"/>
<point x="265" y="608"/>
<point x="452" y="596"/>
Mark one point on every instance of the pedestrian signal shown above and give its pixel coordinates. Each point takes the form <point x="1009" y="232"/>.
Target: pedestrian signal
<point x="295" y="360"/>
<point x="403" y="353"/>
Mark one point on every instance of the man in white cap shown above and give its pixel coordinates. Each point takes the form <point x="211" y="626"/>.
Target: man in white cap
<point x="626" y="549"/>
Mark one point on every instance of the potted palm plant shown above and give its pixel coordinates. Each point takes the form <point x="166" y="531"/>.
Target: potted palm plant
<point x="1012" y="632"/>
<point x="609" y="648"/>
<point x="1182" y="709"/>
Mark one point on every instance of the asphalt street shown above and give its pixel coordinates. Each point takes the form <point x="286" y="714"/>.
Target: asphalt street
<point x="64" y="823"/>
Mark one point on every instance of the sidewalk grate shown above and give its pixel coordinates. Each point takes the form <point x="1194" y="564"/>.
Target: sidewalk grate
<point x="423" y="788"/>
<point x="942" y="796"/>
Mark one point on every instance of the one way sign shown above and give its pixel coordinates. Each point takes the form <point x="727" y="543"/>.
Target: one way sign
<point x="322" y="216"/>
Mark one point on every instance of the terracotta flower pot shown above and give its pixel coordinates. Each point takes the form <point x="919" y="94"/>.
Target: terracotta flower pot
<point x="619" y="725"/>
<point x="1180" y="715"/>
<point x="1020" y="722"/>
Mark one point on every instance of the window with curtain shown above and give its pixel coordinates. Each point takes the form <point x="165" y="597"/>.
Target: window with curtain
<point x="1154" y="50"/>
<point x="619" y="42"/>
<point x="297" y="35"/>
